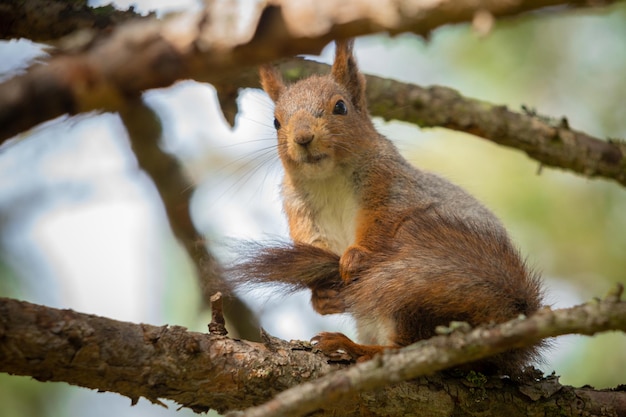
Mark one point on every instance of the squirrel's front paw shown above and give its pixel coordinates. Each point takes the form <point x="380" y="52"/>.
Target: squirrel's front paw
<point x="334" y="345"/>
<point x="338" y="347"/>
<point x="352" y="262"/>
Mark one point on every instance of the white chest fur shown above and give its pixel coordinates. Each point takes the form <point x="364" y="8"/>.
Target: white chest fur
<point x="333" y="208"/>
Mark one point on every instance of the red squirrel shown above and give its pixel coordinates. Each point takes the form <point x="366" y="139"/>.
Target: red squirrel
<point x="402" y="250"/>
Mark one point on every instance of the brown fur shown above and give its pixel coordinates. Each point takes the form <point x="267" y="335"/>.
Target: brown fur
<point x="400" y="249"/>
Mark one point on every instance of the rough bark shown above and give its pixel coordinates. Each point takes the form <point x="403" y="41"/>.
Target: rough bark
<point x="203" y="371"/>
<point x="139" y="360"/>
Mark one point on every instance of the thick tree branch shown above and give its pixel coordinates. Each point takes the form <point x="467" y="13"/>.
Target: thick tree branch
<point x="212" y="371"/>
<point x="205" y="47"/>
<point x="204" y="371"/>
<point x="196" y="370"/>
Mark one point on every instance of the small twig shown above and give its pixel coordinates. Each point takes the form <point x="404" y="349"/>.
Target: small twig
<point x="217" y="325"/>
<point x="615" y="294"/>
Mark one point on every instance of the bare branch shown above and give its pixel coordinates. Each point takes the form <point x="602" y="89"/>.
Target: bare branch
<point x="203" y="371"/>
<point x="212" y="371"/>
<point x="144" y="129"/>
<point x="153" y="54"/>
<point x="551" y="142"/>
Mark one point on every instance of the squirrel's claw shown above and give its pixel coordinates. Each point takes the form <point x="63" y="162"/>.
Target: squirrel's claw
<point x="338" y="347"/>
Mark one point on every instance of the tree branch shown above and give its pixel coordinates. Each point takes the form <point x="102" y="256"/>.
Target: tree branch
<point x="551" y="142"/>
<point x="144" y="130"/>
<point x="203" y="371"/>
<point x="139" y="360"/>
<point x="440" y="353"/>
<point x="208" y="47"/>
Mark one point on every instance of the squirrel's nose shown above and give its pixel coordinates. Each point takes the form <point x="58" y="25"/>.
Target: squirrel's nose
<point x="304" y="139"/>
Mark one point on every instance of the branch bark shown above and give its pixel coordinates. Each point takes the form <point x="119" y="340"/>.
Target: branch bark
<point x="203" y="371"/>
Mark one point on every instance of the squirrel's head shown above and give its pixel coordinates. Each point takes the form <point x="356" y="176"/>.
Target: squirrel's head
<point x="321" y="121"/>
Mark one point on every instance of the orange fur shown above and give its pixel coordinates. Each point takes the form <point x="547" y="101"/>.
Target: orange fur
<point x="402" y="250"/>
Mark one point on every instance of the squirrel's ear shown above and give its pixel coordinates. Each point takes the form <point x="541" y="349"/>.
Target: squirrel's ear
<point x="346" y="73"/>
<point x="271" y="81"/>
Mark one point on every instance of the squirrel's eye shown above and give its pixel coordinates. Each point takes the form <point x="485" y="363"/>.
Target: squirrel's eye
<point x="276" y="123"/>
<point x="340" y="108"/>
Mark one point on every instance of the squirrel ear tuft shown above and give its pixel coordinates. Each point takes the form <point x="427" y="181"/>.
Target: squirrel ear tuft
<point x="271" y="81"/>
<point x="346" y="73"/>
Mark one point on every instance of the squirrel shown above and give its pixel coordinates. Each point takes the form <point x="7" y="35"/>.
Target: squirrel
<point x="400" y="249"/>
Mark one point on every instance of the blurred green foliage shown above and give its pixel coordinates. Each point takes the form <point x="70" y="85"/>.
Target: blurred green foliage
<point x="23" y="396"/>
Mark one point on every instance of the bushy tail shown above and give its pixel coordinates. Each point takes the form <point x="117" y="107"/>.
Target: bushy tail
<point x="295" y="264"/>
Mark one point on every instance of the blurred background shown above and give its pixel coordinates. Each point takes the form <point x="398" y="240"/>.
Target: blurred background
<point x="82" y="227"/>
